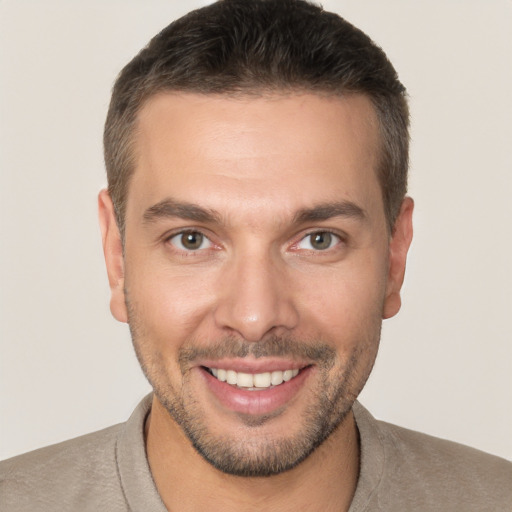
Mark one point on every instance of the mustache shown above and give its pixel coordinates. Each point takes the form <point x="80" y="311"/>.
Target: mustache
<point x="272" y="346"/>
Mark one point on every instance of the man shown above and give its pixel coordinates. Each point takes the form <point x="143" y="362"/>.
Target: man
<point x="255" y="231"/>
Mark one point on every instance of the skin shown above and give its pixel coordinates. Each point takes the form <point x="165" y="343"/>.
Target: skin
<point x="256" y="282"/>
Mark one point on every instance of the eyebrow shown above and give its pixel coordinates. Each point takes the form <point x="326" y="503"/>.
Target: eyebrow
<point x="328" y="211"/>
<point x="170" y="208"/>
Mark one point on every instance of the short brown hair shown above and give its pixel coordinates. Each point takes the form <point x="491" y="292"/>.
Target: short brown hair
<point x="260" y="47"/>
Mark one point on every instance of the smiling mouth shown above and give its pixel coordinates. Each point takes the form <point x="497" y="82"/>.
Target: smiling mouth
<point x="253" y="381"/>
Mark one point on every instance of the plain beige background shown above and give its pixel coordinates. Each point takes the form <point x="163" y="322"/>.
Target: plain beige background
<point x="67" y="368"/>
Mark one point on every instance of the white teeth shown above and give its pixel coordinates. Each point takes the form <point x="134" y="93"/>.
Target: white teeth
<point x="256" y="380"/>
<point x="231" y="377"/>
<point x="276" y="378"/>
<point x="287" y="375"/>
<point x="261" y="380"/>
<point x="244" y="380"/>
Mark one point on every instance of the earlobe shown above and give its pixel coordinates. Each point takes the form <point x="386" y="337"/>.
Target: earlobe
<point x="113" y="252"/>
<point x="398" y="248"/>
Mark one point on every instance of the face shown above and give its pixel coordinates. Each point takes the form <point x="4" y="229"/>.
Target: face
<point x="257" y="268"/>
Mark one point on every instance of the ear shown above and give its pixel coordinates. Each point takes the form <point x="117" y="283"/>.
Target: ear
<point x="398" y="248"/>
<point x="113" y="251"/>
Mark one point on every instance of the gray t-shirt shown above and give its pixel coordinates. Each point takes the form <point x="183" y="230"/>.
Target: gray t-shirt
<point x="401" y="470"/>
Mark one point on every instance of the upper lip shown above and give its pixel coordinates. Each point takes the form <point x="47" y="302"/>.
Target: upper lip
<point x="252" y="365"/>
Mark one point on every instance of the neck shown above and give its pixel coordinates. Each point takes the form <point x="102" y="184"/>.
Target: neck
<point x="325" y="481"/>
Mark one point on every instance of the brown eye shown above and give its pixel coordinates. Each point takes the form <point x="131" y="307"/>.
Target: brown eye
<point x="190" y="241"/>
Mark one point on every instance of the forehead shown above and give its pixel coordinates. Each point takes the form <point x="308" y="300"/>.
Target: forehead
<point x="287" y="152"/>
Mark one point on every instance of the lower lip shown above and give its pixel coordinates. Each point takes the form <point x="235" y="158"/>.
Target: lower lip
<point x="258" y="402"/>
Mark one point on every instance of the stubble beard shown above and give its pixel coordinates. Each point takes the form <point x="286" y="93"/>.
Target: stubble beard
<point x="256" y="455"/>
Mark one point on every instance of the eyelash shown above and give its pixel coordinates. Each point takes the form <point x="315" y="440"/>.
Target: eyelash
<point x="179" y="236"/>
<point x="339" y="239"/>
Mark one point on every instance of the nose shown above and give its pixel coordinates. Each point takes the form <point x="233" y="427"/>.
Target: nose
<point x="255" y="297"/>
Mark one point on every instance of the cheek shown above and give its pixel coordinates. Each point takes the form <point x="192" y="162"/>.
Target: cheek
<point x="344" y="299"/>
<point x="169" y="306"/>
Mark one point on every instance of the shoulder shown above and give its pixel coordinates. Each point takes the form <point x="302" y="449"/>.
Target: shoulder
<point x="433" y="456"/>
<point x="58" y="476"/>
<point x="435" y="446"/>
<point x="428" y="473"/>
